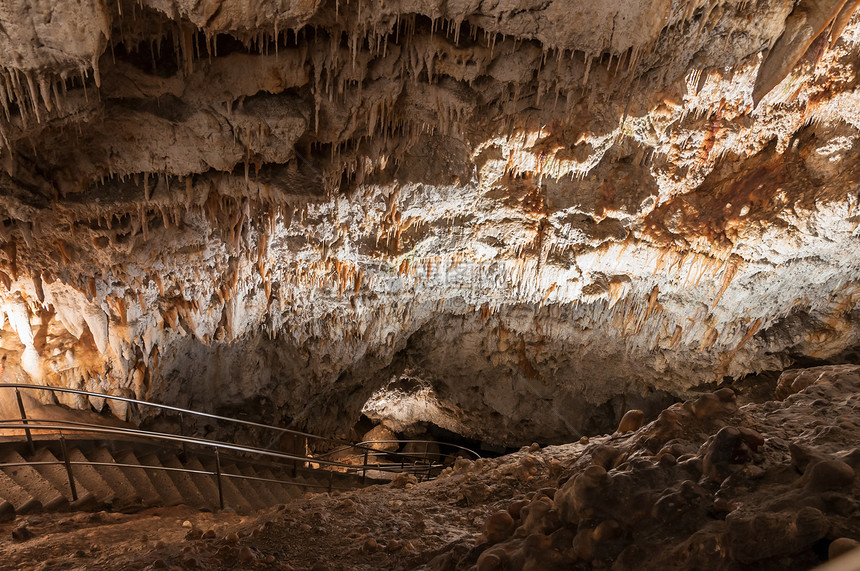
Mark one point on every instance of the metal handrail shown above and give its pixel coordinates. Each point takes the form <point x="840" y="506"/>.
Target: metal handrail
<point x="144" y="435"/>
<point x="408" y="441"/>
<point x="160" y="438"/>
<point x="76" y="426"/>
<point x="368" y="444"/>
<point x="167" y="407"/>
<point x="182" y="411"/>
<point x="167" y="469"/>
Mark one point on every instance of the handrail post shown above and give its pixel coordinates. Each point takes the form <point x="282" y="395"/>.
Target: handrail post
<point x="24" y="421"/>
<point x="184" y="444"/>
<point x="364" y="468"/>
<point x="68" y="467"/>
<point x="218" y="478"/>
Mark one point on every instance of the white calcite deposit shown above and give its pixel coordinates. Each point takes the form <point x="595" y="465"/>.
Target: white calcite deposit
<point x="547" y="212"/>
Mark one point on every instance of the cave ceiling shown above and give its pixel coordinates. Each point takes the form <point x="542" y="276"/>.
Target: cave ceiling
<point x="511" y="219"/>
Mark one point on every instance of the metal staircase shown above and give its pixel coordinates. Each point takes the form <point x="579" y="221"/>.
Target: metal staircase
<point x="61" y="465"/>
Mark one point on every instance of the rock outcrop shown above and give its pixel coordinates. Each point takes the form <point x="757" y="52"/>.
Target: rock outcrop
<point x="540" y="214"/>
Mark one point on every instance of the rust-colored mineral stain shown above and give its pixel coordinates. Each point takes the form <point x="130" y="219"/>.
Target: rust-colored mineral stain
<point x="729" y="198"/>
<point x="652" y="302"/>
<point x="676" y="336"/>
<point x="728" y="275"/>
<point x="525" y="365"/>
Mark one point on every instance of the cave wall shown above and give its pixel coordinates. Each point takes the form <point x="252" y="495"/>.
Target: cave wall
<point x="538" y="208"/>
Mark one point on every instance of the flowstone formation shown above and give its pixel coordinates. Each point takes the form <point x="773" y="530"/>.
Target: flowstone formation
<point x="514" y="220"/>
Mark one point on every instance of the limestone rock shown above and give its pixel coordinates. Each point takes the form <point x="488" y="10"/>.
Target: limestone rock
<point x="795" y="380"/>
<point x="841" y="546"/>
<point x="381" y="438"/>
<point x="632" y="420"/>
<point x="787" y="534"/>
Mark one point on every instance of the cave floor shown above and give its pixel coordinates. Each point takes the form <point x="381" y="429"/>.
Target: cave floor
<point x="381" y="527"/>
<point x="709" y="484"/>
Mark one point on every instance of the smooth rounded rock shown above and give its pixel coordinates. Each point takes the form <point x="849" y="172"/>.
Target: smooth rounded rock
<point x="583" y="544"/>
<point x="751" y="438"/>
<point x="490" y="562"/>
<point x="829" y="475"/>
<point x="607" y="530"/>
<point x="841" y="546"/>
<point x="725" y="449"/>
<point x="515" y="509"/>
<point x="708" y="405"/>
<point x="246" y="555"/>
<point x="370" y="546"/>
<point x="632" y="420"/>
<point x="499" y="527"/>
<point x="7" y="512"/>
<point x="725" y="394"/>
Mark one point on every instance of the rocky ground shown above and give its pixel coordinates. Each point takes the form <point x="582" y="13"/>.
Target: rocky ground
<point x="708" y="484"/>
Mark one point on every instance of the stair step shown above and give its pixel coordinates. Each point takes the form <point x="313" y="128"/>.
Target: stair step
<point x="184" y="482"/>
<point x="57" y="475"/>
<point x="313" y="483"/>
<point x="351" y="479"/>
<point x="298" y="488"/>
<point x="246" y="487"/>
<point x="233" y="498"/>
<point x="115" y="478"/>
<point x="283" y="492"/>
<point x="28" y="478"/>
<point x="261" y="488"/>
<point x="138" y="478"/>
<point x="162" y="482"/>
<point x="341" y="480"/>
<point x="205" y="482"/>
<point x="93" y="479"/>
<point x="21" y="499"/>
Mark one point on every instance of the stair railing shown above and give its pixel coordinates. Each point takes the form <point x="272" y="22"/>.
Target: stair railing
<point x="152" y="438"/>
<point x="421" y="462"/>
<point x="371" y="452"/>
<point x="148" y="435"/>
<point x="24" y="420"/>
<point x="369" y="463"/>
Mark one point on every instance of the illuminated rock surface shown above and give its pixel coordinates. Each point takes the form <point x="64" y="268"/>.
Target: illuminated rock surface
<point x="533" y="215"/>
